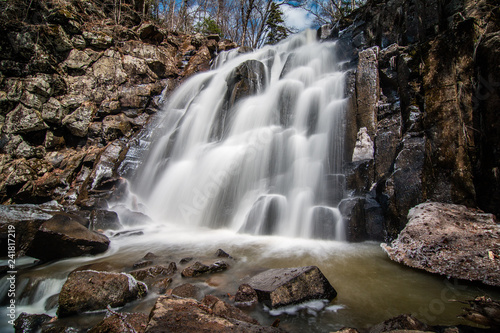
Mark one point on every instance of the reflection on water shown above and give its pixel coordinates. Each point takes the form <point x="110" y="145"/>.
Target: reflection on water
<point x="370" y="287"/>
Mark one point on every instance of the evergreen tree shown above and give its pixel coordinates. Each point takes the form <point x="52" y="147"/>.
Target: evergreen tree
<point x="275" y="25"/>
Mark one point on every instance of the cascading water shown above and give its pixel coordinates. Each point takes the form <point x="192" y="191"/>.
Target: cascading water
<point x="254" y="145"/>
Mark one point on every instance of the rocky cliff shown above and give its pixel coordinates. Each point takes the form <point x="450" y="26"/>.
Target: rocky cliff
<point x="424" y="87"/>
<point x="75" y="87"/>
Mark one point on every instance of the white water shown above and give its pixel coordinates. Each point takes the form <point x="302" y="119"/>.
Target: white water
<point x="271" y="163"/>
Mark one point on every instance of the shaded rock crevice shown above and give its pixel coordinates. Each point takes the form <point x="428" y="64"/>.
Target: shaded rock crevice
<point x="424" y="88"/>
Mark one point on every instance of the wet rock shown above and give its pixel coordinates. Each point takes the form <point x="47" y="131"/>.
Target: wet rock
<point x="121" y="322"/>
<point x="245" y="80"/>
<point x="148" y="275"/>
<point x="451" y="240"/>
<point x="359" y="176"/>
<point x="30" y="322"/>
<point x="353" y="214"/>
<point x="246" y="295"/>
<point x="106" y="164"/>
<point x="286" y="286"/>
<point x="187" y="315"/>
<point x="26" y="218"/>
<point x="406" y="182"/>
<point x="62" y="237"/>
<point x="78" y="122"/>
<point x="198" y="268"/>
<point x="23" y="120"/>
<point x="185" y="260"/>
<point x="386" y="141"/>
<point x="402" y="322"/>
<point x="222" y="254"/>
<point x="324" y="222"/>
<point x="374" y="219"/>
<point x="224" y="310"/>
<point x="90" y="290"/>
<point x="187" y="290"/>
<point x="131" y="218"/>
<point x="263" y="216"/>
<point x="101" y="219"/>
<point x="161" y="286"/>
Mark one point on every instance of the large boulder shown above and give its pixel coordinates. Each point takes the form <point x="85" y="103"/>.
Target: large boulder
<point x="64" y="236"/>
<point x="91" y="290"/>
<point x="286" y="286"/>
<point x="26" y="219"/>
<point x="210" y="315"/>
<point x="450" y="240"/>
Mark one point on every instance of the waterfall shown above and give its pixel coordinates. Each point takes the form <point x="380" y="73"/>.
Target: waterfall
<point x="254" y="145"/>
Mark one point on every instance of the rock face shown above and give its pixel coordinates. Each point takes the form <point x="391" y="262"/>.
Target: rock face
<point x="285" y="286"/>
<point x="71" y="85"/>
<point x="424" y="88"/>
<point x="62" y="237"/>
<point x="210" y="315"/>
<point x="450" y="240"/>
<point x="92" y="290"/>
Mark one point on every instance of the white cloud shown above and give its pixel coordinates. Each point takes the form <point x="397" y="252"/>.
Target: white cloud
<point x="297" y="18"/>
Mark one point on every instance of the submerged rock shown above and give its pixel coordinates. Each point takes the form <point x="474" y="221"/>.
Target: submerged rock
<point x="91" y="290"/>
<point x="63" y="236"/>
<point x="286" y="286"/>
<point x="402" y="323"/>
<point x="198" y="268"/>
<point x="210" y="315"/>
<point x="246" y="295"/>
<point x="30" y="322"/>
<point x="483" y="311"/>
<point x="187" y="290"/>
<point x="451" y="240"/>
<point x="151" y="274"/>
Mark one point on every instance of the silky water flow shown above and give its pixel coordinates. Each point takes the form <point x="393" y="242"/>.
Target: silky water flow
<point x="254" y="145"/>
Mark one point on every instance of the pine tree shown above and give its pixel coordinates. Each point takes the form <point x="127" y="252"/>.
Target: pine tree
<point x="275" y="25"/>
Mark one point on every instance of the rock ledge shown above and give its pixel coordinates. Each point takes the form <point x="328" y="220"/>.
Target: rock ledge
<point x="451" y="240"/>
